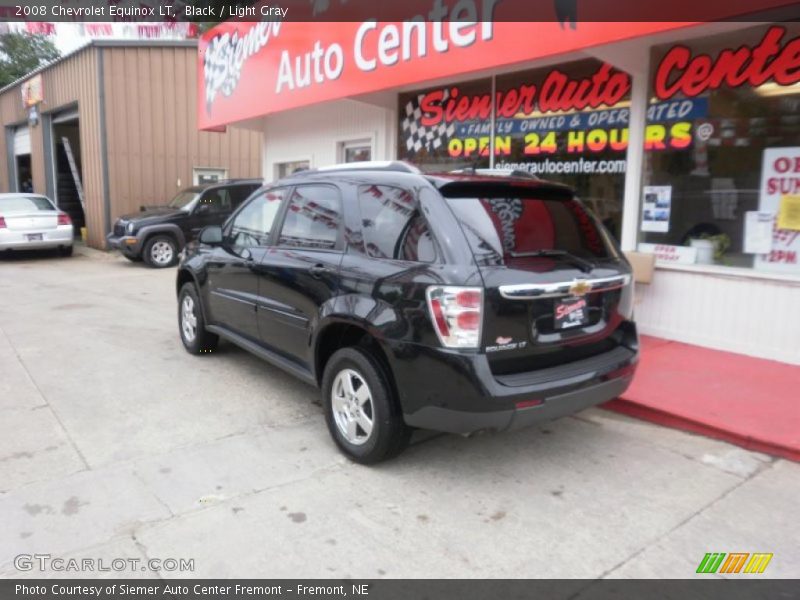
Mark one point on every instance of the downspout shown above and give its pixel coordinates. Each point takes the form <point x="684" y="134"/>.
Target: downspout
<point x="50" y="188"/>
<point x="103" y="145"/>
<point x="11" y="160"/>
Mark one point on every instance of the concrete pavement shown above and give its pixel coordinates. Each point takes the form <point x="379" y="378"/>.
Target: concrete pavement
<point x="115" y="443"/>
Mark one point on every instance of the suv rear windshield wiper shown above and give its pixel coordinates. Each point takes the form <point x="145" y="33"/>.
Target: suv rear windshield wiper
<point x="582" y="263"/>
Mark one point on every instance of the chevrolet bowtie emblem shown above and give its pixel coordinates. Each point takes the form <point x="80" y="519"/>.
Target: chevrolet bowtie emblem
<point x="580" y="287"/>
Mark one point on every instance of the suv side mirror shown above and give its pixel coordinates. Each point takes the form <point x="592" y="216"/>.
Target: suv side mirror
<point x="211" y="235"/>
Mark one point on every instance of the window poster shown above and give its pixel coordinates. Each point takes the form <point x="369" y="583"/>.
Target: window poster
<point x="656" y="208"/>
<point x="780" y="179"/>
<point x="758" y="232"/>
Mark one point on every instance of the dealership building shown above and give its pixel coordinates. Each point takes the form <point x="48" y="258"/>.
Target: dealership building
<point x="683" y="138"/>
<point x="111" y="127"/>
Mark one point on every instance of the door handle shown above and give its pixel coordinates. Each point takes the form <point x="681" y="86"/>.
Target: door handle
<point x="317" y="271"/>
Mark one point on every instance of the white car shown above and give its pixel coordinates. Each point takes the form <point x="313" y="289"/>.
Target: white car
<point x="32" y="222"/>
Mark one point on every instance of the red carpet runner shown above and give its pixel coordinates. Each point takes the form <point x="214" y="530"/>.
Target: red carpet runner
<point x="751" y="402"/>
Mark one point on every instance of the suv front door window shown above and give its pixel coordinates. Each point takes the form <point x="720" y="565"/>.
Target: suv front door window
<point x="233" y="282"/>
<point x="299" y="273"/>
<point x="252" y="226"/>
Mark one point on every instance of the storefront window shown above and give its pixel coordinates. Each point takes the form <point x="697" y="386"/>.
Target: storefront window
<point x="575" y="132"/>
<point x="284" y="169"/>
<point x="722" y="184"/>
<point x="356" y="151"/>
<point x="446" y="128"/>
<point x="566" y="123"/>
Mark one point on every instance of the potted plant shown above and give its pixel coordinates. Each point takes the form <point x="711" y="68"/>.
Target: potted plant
<point x="711" y="248"/>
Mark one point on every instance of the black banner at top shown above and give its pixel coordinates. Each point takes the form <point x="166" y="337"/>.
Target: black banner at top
<point x="567" y="12"/>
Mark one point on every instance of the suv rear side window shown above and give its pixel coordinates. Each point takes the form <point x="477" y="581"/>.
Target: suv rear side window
<point x="504" y="227"/>
<point x="240" y="193"/>
<point x="312" y="218"/>
<point x="218" y="201"/>
<point x="392" y="225"/>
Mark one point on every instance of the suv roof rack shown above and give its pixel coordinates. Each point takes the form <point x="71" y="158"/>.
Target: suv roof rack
<point x="367" y="165"/>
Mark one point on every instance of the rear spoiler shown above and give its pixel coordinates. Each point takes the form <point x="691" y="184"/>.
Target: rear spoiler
<point x="520" y="188"/>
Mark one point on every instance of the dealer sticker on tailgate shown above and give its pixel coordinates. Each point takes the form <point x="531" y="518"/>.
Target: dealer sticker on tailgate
<point x="571" y="312"/>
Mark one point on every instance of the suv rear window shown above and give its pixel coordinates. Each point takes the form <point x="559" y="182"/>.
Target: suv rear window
<point x="502" y="226"/>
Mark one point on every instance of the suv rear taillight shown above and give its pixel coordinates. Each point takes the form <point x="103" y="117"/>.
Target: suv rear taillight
<point x="457" y="314"/>
<point x="2" y="223"/>
<point x="63" y="219"/>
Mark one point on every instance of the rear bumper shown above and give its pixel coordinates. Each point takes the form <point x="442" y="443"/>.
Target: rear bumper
<point x="61" y="236"/>
<point x="457" y="392"/>
<point x="553" y="407"/>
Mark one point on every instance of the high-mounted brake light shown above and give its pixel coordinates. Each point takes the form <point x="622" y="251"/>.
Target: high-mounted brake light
<point x="457" y="314"/>
<point x="63" y="219"/>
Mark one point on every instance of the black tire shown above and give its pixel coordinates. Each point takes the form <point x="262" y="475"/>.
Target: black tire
<point x="65" y="250"/>
<point x="389" y="434"/>
<point x="131" y="257"/>
<point x="155" y="251"/>
<point x="203" y="341"/>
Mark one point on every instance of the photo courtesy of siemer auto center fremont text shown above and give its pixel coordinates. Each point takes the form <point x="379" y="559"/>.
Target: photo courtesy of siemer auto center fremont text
<point x="431" y="300"/>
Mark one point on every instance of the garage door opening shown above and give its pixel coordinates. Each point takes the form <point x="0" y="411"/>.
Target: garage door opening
<point x="68" y="168"/>
<point x="22" y="160"/>
<point x="24" y="173"/>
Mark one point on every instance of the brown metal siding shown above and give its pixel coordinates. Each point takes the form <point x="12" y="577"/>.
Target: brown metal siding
<point x="152" y="136"/>
<point x="152" y="139"/>
<point x="72" y="80"/>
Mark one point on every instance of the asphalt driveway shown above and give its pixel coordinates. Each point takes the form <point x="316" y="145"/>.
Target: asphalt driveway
<point x="115" y="443"/>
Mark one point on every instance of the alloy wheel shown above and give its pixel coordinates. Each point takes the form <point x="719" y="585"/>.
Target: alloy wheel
<point x="162" y="253"/>
<point x="353" y="411"/>
<point x="188" y="319"/>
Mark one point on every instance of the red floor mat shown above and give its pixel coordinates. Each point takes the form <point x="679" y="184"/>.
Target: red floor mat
<point x="752" y="402"/>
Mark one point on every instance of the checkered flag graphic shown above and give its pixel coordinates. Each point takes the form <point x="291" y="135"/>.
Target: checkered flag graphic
<point x="419" y="136"/>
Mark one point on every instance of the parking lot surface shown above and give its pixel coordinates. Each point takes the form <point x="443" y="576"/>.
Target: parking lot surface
<point x="116" y="443"/>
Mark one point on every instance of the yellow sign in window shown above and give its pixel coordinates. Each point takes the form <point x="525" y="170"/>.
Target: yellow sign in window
<point x="789" y="213"/>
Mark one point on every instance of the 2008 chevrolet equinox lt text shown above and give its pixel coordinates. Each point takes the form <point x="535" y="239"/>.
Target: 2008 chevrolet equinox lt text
<point x="457" y="302"/>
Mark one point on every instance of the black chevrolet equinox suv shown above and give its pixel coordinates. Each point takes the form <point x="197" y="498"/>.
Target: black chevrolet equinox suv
<point x="457" y="302"/>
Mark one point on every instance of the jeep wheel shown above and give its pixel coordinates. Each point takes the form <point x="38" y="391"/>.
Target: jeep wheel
<point x="160" y="251"/>
<point x="196" y="339"/>
<point x="360" y="409"/>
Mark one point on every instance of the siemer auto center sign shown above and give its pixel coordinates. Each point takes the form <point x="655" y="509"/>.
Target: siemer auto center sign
<point x="247" y="69"/>
<point x="251" y="69"/>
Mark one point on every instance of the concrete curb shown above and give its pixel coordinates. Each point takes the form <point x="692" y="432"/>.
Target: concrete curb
<point x="664" y="418"/>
